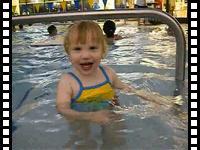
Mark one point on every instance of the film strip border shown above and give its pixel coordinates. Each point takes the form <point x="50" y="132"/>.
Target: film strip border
<point x="193" y="76"/>
<point x="6" y="103"/>
<point x="6" y="106"/>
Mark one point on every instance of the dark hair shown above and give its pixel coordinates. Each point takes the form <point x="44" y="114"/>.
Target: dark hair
<point x="51" y="29"/>
<point x="20" y="26"/>
<point x="109" y="28"/>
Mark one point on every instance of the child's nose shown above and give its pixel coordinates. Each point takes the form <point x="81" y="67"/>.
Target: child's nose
<point x="85" y="54"/>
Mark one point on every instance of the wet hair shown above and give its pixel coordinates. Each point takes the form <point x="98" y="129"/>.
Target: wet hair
<point x="83" y="31"/>
<point x="20" y="26"/>
<point x="109" y="28"/>
<point x="52" y="29"/>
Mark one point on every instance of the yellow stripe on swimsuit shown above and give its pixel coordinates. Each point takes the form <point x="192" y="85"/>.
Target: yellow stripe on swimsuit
<point x="93" y="98"/>
<point x="97" y="94"/>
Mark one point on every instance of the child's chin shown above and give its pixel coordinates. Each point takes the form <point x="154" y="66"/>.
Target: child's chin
<point x="87" y="70"/>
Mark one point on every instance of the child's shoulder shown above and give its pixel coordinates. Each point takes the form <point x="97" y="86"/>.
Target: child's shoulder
<point x="65" y="77"/>
<point x="66" y="81"/>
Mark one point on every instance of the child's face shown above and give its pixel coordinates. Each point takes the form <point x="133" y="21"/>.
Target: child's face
<point x="86" y="57"/>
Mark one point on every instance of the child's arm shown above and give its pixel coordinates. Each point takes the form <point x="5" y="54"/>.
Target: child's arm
<point x="154" y="97"/>
<point x="117" y="83"/>
<point x="63" y="100"/>
<point x="149" y="96"/>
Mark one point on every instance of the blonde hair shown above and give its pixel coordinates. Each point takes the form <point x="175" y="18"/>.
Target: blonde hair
<point x="82" y="32"/>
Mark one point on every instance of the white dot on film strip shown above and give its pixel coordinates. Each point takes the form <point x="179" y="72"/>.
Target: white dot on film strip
<point x="193" y="23"/>
<point x="6" y="105"/>
<point x="193" y="104"/>
<point x="193" y="51"/>
<point x="5" y="32"/>
<point x="6" y="95"/>
<point x="193" y="14"/>
<point x="193" y="68"/>
<point x="193" y="32"/>
<point x="6" y="42"/>
<point x="6" y="123"/>
<point x="193" y="6"/>
<point x="5" y="24"/>
<point x="6" y="132"/>
<point x="193" y="123"/>
<point x="194" y="60"/>
<point x="6" y="6"/>
<point x="5" y="87"/>
<point x="6" y="114"/>
<point x="5" y="140"/>
<point x="5" y="60"/>
<point x="193" y="140"/>
<point x="6" y="15"/>
<point x="194" y="114"/>
<point x="6" y="77"/>
<point x="6" y="148"/>
<point x="193" y="41"/>
<point x="5" y="50"/>
<point x="6" y="68"/>
<point x="193" y="86"/>
<point x="193" y="131"/>
<point x="194" y="78"/>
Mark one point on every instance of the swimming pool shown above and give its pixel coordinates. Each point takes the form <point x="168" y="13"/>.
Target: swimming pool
<point x="145" y="58"/>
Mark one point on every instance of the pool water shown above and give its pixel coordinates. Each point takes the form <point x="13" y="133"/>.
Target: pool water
<point x="145" y="58"/>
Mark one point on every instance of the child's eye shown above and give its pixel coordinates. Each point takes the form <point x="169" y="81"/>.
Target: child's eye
<point x="76" y="48"/>
<point x="93" y="47"/>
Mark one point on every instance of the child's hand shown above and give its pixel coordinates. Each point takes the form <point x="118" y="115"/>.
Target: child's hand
<point x="115" y="101"/>
<point x="129" y="89"/>
<point x="103" y="117"/>
<point x="178" y="100"/>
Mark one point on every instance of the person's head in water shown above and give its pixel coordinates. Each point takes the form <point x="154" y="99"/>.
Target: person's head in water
<point x="52" y="30"/>
<point x="109" y="28"/>
<point x="20" y="26"/>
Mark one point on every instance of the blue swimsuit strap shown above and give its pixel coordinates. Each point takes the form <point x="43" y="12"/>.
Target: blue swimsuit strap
<point x="81" y="85"/>
<point x="77" y="79"/>
<point x="104" y="73"/>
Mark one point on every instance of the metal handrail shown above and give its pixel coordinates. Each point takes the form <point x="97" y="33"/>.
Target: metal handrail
<point x="120" y="14"/>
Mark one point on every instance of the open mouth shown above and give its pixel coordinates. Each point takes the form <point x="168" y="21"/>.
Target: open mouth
<point x="86" y="65"/>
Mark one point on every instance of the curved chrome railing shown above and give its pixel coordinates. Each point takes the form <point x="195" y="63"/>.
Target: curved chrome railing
<point x="120" y="14"/>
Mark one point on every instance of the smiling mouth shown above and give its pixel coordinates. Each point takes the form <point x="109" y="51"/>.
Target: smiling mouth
<point x="86" y="66"/>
